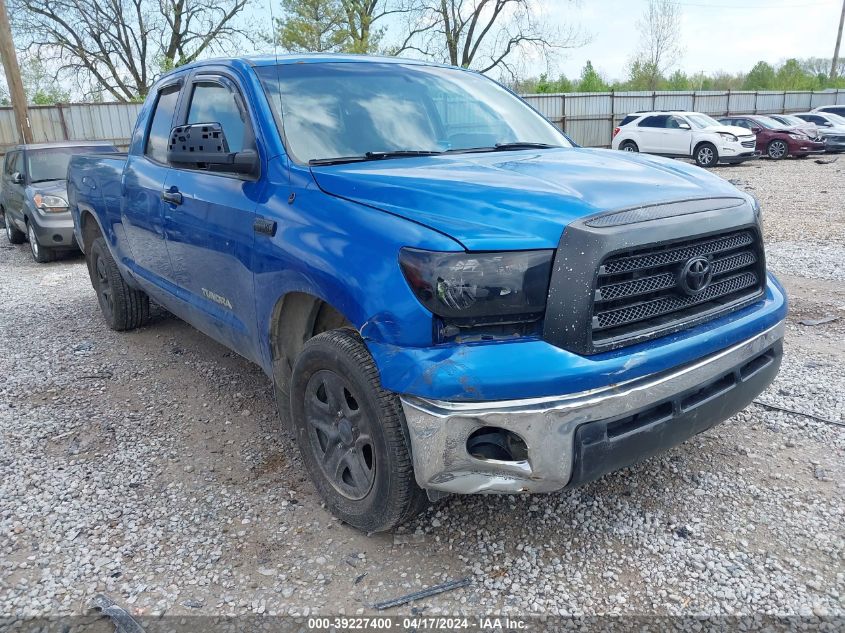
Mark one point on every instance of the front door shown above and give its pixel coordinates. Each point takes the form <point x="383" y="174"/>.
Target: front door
<point x="13" y="192"/>
<point x="210" y="233"/>
<point x="144" y="180"/>
<point x="677" y="136"/>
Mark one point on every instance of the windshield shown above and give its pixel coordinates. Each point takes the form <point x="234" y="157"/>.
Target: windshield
<point x="357" y="109"/>
<point x="701" y="121"/>
<point x="51" y="164"/>
<point x="793" y="120"/>
<point x="835" y="118"/>
<point x="770" y="123"/>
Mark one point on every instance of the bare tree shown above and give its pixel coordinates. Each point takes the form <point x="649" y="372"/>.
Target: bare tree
<point x="482" y="34"/>
<point x="660" y="40"/>
<point x="120" y="47"/>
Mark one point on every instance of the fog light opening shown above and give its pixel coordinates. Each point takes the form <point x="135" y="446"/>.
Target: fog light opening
<point x="58" y="238"/>
<point x="494" y="443"/>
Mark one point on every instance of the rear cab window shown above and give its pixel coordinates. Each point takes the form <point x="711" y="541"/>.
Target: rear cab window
<point x="161" y="124"/>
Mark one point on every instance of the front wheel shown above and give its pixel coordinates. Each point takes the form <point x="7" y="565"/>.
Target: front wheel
<point x="40" y="254"/>
<point x="352" y="434"/>
<point x="777" y="149"/>
<point x="706" y="155"/>
<point x="123" y="307"/>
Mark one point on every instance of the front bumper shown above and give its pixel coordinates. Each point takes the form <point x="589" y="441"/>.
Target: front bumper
<point x="575" y="438"/>
<point x="54" y="230"/>
<point x="739" y="157"/>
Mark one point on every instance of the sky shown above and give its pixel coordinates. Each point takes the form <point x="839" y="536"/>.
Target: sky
<point x="729" y="35"/>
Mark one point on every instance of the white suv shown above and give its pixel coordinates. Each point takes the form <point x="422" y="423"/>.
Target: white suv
<point x="685" y="134"/>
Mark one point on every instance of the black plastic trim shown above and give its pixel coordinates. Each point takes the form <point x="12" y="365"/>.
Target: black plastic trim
<point x="604" y="446"/>
<point x="583" y="248"/>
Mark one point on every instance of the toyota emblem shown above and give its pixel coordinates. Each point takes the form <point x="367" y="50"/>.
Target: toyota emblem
<point x="695" y="275"/>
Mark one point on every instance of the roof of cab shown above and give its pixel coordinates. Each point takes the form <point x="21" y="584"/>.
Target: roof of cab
<point x="307" y="58"/>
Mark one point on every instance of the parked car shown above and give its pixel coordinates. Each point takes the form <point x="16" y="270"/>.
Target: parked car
<point x="808" y="128"/>
<point x="33" y="199"/>
<point x="407" y="283"/>
<point x="831" y="127"/>
<point x="684" y="134"/>
<point x="774" y="139"/>
<point x="831" y="109"/>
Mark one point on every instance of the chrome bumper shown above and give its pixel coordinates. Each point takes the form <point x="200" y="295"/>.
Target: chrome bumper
<point x="439" y="430"/>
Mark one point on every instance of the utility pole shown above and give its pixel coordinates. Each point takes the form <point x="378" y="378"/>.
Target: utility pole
<point x="835" y="61"/>
<point x="13" y="75"/>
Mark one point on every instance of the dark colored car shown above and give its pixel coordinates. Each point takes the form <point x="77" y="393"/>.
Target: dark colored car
<point x="775" y="139"/>
<point x="33" y="200"/>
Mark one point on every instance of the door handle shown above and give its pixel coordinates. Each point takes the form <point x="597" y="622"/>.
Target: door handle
<point x="172" y="196"/>
<point x="264" y="226"/>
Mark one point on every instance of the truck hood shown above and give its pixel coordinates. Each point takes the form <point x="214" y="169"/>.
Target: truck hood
<point x="516" y="200"/>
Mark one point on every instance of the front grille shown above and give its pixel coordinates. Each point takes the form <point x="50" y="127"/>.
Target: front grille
<point x="750" y="143"/>
<point x="639" y="291"/>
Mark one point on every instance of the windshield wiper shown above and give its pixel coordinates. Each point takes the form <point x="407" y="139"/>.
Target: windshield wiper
<point x="504" y="147"/>
<point x="400" y="153"/>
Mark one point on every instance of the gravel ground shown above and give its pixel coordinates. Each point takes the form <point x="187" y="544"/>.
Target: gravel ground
<point x="149" y="466"/>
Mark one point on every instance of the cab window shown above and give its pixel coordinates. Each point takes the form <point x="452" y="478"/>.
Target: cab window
<point x="159" y="135"/>
<point x="212" y="102"/>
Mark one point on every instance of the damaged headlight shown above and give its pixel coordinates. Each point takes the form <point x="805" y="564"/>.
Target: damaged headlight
<point x="474" y="290"/>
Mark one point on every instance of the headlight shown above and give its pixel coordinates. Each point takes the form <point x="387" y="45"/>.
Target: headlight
<point x="50" y="204"/>
<point x="726" y="136"/>
<point x="798" y="137"/>
<point x="474" y="290"/>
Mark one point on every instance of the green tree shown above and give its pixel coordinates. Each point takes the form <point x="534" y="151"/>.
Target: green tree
<point x="361" y="16"/>
<point x="643" y="75"/>
<point x="591" y="80"/>
<point x="312" y="26"/>
<point x="761" y="77"/>
<point x="678" y="80"/>
<point x="544" y="85"/>
<point x="791" y="76"/>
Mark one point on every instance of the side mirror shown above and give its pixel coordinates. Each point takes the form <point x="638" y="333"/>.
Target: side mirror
<point x="827" y="124"/>
<point x="684" y="126"/>
<point x="756" y="130"/>
<point x="204" y="146"/>
<point x="17" y="178"/>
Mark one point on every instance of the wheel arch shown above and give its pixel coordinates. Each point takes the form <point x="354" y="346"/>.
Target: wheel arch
<point x="297" y="316"/>
<point x="89" y="227"/>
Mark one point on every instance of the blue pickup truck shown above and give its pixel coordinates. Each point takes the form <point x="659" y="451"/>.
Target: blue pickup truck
<point x="448" y="295"/>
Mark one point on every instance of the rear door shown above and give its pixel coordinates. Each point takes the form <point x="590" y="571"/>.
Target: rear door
<point x="210" y="233"/>
<point x="650" y="133"/>
<point x="144" y="179"/>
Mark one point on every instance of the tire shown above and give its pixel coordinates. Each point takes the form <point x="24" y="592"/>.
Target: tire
<point x="14" y="235"/>
<point x="706" y="155"/>
<point x="123" y="307"/>
<point x="368" y="481"/>
<point x="629" y="146"/>
<point x="40" y="254"/>
<point x="777" y="149"/>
